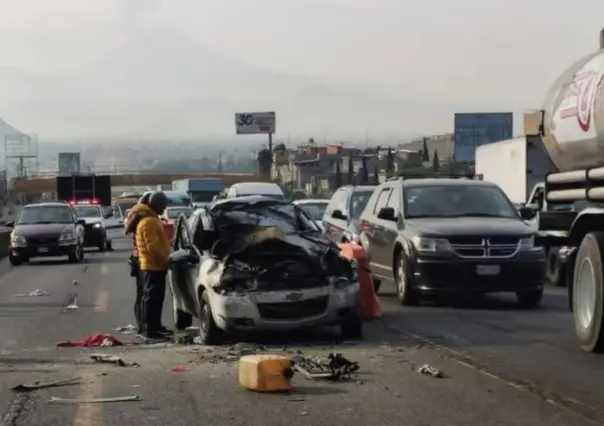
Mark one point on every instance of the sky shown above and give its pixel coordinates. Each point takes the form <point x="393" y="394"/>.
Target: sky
<point x="445" y="56"/>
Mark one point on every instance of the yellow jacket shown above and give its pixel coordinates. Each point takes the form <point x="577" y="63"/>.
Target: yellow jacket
<point x="152" y="242"/>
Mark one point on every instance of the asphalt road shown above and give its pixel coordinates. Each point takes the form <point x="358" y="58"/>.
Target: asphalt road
<point x="483" y="353"/>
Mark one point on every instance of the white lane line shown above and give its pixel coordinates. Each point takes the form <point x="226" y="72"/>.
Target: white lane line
<point x="89" y="414"/>
<point x="102" y="297"/>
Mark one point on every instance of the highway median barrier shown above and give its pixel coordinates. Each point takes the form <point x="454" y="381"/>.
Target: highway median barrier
<point x="4" y="242"/>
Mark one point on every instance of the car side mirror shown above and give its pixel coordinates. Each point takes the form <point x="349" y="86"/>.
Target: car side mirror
<point x="337" y="214"/>
<point x="10" y="224"/>
<point x="108" y="215"/>
<point x="387" y="213"/>
<point x="80" y="222"/>
<point x="528" y="212"/>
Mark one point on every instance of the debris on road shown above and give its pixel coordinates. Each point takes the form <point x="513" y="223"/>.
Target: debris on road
<point x="178" y="369"/>
<point x="28" y="387"/>
<point x="34" y="293"/>
<point x="92" y="341"/>
<point x="71" y="303"/>
<point x="112" y="359"/>
<point x="334" y="367"/>
<point x="56" y="400"/>
<point x="266" y="373"/>
<point x="430" y="371"/>
<point x="127" y="329"/>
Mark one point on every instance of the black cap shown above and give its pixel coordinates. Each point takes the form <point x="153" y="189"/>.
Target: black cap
<point x="158" y="201"/>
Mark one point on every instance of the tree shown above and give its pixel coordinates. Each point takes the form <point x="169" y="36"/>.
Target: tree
<point x="279" y="147"/>
<point x="389" y="163"/>
<point x="435" y="161"/>
<point x="338" y="179"/>
<point x="376" y="175"/>
<point x="264" y="163"/>
<point x="425" y="153"/>
<point x="350" y="171"/>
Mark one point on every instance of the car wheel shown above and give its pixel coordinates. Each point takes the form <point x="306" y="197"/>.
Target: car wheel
<point x="109" y="245"/>
<point x="182" y="320"/>
<point x="103" y="243"/>
<point x="209" y="333"/>
<point x="529" y="299"/>
<point x="407" y="295"/>
<point x="352" y="327"/>
<point x="376" y="285"/>
<point x="78" y="255"/>
<point x="15" y="260"/>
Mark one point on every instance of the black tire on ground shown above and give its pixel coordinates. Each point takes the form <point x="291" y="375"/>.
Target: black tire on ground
<point x="589" y="262"/>
<point x="376" y="285"/>
<point x="182" y="320"/>
<point x="555" y="270"/>
<point x="109" y="245"/>
<point x="405" y="292"/>
<point x="78" y="256"/>
<point x="103" y="243"/>
<point x="15" y="261"/>
<point x="209" y="333"/>
<point x="529" y="299"/>
<point x="352" y="327"/>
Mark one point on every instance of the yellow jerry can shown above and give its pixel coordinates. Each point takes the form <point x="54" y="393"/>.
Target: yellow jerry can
<point x="265" y="373"/>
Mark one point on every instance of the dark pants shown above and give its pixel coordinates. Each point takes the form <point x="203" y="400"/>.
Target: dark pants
<point x="138" y="300"/>
<point x="154" y="292"/>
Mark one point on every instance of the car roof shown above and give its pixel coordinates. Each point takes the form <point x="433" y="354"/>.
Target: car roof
<point x="359" y="188"/>
<point x="248" y="199"/>
<point x="311" y="201"/>
<point x="255" y="187"/>
<point x="445" y="182"/>
<point x="47" y="204"/>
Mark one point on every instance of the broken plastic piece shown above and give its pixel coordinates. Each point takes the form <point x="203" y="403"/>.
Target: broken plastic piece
<point x="94" y="340"/>
<point x="128" y="329"/>
<point x="431" y="371"/>
<point x="334" y="367"/>
<point x="112" y="359"/>
<point x="41" y="385"/>
<point x="34" y="293"/>
<point x="55" y="400"/>
<point x="178" y="369"/>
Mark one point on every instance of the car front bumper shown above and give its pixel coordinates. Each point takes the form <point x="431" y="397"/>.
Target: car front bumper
<point x="55" y="250"/>
<point x="265" y="311"/>
<point x="525" y="273"/>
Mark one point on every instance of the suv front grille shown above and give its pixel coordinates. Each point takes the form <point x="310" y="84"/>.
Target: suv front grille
<point x="480" y="247"/>
<point x="42" y="242"/>
<point x="294" y="310"/>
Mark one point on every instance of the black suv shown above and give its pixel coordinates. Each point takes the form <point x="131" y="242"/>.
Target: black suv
<point x="341" y="219"/>
<point x="444" y="236"/>
<point x="46" y="229"/>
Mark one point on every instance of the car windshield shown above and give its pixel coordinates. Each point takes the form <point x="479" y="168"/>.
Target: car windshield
<point x="358" y="202"/>
<point x="45" y="214"/>
<point x="88" y="211"/>
<point x="457" y="201"/>
<point x="124" y="206"/>
<point x="314" y="210"/>
<point x="175" y="213"/>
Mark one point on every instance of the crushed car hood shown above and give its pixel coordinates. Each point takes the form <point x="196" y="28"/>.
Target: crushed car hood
<point x="263" y="247"/>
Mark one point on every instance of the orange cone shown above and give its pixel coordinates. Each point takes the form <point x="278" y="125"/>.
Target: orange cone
<point x="370" y="303"/>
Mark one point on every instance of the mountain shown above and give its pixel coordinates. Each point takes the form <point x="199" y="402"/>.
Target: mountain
<point x="162" y="84"/>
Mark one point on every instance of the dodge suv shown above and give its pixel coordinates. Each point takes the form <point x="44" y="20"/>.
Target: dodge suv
<point x="444" y="236"/>
<point x="46" y="229"/>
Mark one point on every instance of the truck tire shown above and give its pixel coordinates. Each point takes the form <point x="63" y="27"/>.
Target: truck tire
<point x="555" y="270"/>
<point x="587" y="297"/>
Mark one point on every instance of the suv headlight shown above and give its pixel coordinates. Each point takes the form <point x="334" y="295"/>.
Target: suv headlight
<point x="97" y="225"/>
<point x="431" y="245"/>
<point x="68" y="235"/>
<point x="17" y="240"/>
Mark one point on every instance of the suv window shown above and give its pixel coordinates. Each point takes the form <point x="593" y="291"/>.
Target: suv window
<point x="338" y="202"/>
<point x="45" y="214"/>
<point x="358" y="201"/>
<point x="381" y="200"/>
<point x="394" y="200"/>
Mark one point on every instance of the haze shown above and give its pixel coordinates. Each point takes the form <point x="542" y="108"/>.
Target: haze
<point x="329" y="68"/>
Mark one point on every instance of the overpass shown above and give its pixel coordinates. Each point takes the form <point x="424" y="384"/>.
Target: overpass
<point x="40" y="185"/>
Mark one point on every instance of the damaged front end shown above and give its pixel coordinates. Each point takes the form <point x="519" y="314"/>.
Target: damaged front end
<point x="271" y="265"/>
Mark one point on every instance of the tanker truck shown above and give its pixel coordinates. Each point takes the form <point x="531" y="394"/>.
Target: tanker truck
<point x="571" y="127"/>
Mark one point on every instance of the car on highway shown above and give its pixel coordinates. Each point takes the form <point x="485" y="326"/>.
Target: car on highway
<point x="245" y="189"/>
<point x="170" y="217"/>
<point x="439" y="237"/>
<point x="260" y="264"/>
<point x="341" y="219"/>
<point x="100" y="224"/>
<point x="313" y="207"/>
<point x="46" y="229"/>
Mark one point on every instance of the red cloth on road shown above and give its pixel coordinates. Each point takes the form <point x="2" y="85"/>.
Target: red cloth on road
<point x="92" y="341"/>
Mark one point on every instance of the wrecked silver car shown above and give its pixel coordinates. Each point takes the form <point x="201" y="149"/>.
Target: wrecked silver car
<point x="256" y="263"/>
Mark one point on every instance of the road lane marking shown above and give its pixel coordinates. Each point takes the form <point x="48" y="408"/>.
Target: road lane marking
<point x="104" y="268"/>
<point x="89" y="414"/>
<point x="102" y="301"/>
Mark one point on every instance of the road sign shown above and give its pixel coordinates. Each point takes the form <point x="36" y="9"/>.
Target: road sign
<point x="253" y="123"/>
<point x="476" y="129"/>
<point x="69" y="163"/>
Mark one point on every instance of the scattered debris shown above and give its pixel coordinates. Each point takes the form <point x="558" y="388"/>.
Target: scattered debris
<point x="112" y="359"/>
<point x="56" y="400"/>
<point x="127" y="329"/>
<point x="243" y="349"/>
<point x="27" y="387"/>
<point x="92" y="341"/>
<point x="34" y="293"/>
<point x="430" y="371"/>
<point x="75" y="282"/>
<point x="334" y="367"/>
<point x="71" y="303"/>
<point x="178" y="369"/>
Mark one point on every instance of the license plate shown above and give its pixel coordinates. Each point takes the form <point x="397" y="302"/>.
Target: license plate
<point x="487" y="270"/>
<point x="42" y="250"/>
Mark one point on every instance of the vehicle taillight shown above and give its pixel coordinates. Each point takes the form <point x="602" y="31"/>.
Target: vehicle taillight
<point x="364" y="226"/>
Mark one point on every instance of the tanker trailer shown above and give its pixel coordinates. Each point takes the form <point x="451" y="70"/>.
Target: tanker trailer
<point x="571" y="126"/>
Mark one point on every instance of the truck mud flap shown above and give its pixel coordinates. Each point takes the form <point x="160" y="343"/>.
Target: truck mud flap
<point x="556" y="221"/>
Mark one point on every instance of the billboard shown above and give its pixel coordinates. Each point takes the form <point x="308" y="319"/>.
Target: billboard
<point x="475" y="129"/>
<point x="254" y="123"/>
<point x="69" y="163"/>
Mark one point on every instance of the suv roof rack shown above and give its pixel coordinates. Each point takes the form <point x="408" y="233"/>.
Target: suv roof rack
<point x="437" y="175"/>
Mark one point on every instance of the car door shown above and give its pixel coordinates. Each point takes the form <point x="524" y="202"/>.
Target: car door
<point x="183" y="275"/>
<point x="390" y="230"/>
<point x="377" y="234"/>
<point x="114" y="223"/>
<point x="336" y="227"/>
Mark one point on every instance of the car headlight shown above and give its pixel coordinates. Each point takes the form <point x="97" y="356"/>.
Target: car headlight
<point x="17" y="240"/>
<point x="431" y="245"/>
<point x="527" y="243"/>
<point x="67" y="235"/>
<point x="97" y="225"/>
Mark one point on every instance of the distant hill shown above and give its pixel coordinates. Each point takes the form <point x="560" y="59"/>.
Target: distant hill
<point x="166" y="85"/>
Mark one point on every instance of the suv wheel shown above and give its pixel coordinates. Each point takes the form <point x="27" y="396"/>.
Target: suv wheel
<point x="407" y="295"/>
<point x="209" y="333"/>
<point x="78" y="255"/>
<point x="103" y="243"/>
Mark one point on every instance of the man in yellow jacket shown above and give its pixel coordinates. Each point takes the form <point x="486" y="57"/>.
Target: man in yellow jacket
<point x="154" y="259"/>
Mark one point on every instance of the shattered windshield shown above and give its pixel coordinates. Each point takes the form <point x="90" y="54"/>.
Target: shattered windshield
<point x="287" y="217"/>
<point x="45" y="214"/>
